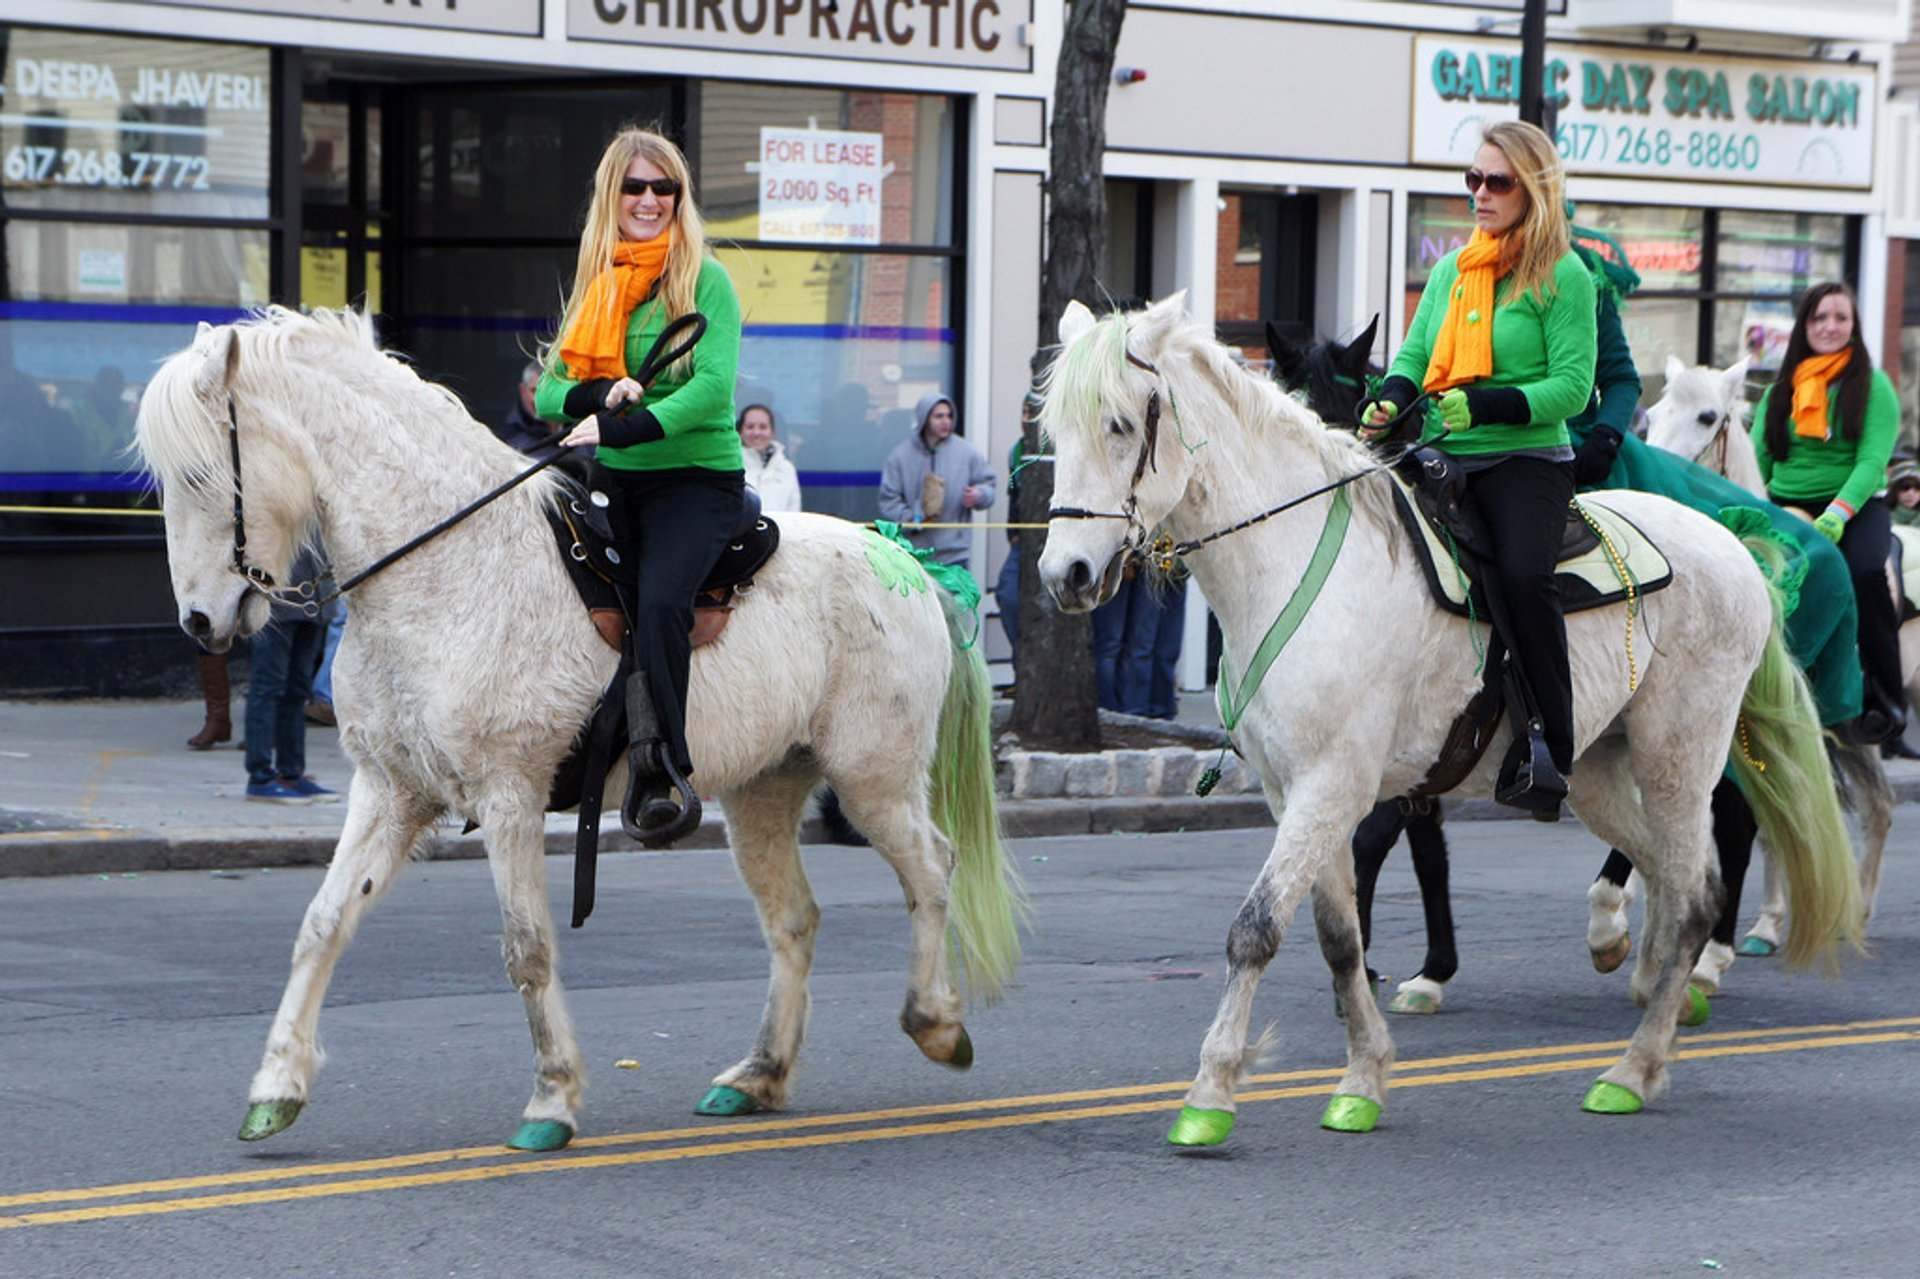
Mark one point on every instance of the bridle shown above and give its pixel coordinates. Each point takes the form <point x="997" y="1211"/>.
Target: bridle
<point x="1165" y="552"/>
<point x="679" y="336"/>
<point x="1718" y="439"/>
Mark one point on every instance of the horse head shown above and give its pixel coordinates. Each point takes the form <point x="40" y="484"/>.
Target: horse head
<point x="215" y="432"/>
<point x="1698" y="406"/>
<point x="1119" y="466"/>
<point x="1332" y="376"/>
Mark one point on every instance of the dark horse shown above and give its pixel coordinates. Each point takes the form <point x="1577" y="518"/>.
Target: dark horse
<point x="1333" y="377"/>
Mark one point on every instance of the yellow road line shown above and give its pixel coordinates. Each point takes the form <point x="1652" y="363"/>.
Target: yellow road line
<point x="1734" y="1043"/>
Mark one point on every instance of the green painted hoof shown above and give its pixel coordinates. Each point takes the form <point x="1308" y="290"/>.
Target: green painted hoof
<point x="265" y="1118"/>
<point x="1196" y="1127"/>
<point x="1606" y="1098"/>
<point x="1698" y="1008"/>
<point x="541" y="1134"/>
<point x="1350" y="1114"/>
<point x="1756" y="948"/>
<point x="962" y="1052"/>
<point x="723" y="1101"/>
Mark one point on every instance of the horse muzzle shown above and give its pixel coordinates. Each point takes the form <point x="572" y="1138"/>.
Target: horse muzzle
<point x="217" y="632"/>
<point x="1076" y="588"/>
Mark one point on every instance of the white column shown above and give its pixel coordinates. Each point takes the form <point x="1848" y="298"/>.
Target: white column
<point x="1196" y="235"/>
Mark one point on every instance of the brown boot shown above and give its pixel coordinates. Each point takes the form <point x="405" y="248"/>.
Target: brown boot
<point x="213" y="682"/>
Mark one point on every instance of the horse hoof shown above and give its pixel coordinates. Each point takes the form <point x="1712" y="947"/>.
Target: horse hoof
<point x="265" y="1118"/>
<point x="962" y="1052"/>
<point x="1606" y="1098"/>
<point x="1196" y="1127"/>
<point x="723" y="1101"/>
<point x="1698" y="1009"/>
<point x="1350" y="1114"/>
<point x="1756" y="948"/>
<point x="1416" y="995"/>
<point x="1611" y="957"/>
<point x="542" y="1134"/>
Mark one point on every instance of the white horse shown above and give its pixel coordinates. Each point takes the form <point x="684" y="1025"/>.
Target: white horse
<point x="469" y="667"/>
<point x="1701" y="416"/>
<point x="1156" y="428"/>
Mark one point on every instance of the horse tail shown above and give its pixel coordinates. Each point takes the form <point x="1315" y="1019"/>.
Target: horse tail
<point x="986" y="906"/>
<point x="1780" y="763"/>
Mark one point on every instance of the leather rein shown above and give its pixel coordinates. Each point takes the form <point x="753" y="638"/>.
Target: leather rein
<point x="678" y="337"/>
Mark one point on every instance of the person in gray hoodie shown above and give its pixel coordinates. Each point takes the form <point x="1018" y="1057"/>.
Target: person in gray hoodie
<point x="936" y="477"/>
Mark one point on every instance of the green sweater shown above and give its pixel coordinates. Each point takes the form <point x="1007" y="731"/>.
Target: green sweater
<point x="695" y="411"/>
<point x="1545" y="349"/>
<point x="1847" y="471"/>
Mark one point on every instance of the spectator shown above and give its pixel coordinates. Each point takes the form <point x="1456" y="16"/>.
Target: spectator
<point x="320" y="705"/>
<point x="769" y="473"/>
<point x="1006" y="589"/>
<point x="1903" y="491"/>
<point x="285" y="653"/>
<point x="522" y="427"/>
<point x="1156" y="626"/>
<point x="936" y="477"/>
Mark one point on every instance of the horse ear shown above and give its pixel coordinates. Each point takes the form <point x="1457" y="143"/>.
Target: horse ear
<point x="1675" y="367"/>
<point x="1074" y="321"/>
<point x="1286" y="356"/>
<point x="219" y="352"/>
<point x="1357" y="354"/>
<point x="1735" y="378"/>
<point x="1162" y="318"/>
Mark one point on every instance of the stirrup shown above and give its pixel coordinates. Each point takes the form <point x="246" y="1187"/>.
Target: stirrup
<point x="1528" y="779"/>
<point x="651" y="814"/>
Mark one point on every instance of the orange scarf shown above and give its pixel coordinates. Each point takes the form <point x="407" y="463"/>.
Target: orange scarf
<point x="595" y="344"/>
<point x="1463" y="352"/>
<point x="1810" y="379"/>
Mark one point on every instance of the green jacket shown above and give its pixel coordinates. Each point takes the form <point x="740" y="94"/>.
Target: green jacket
<point x="1545" y="349"/>
<point x="1847" y="471"/>
<point x="696" y="411"/>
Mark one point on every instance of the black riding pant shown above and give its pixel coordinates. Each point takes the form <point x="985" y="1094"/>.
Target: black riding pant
<point x="673" y="525"/>
<point x="1866" y="544"/>
<point x="1523" y="502"/>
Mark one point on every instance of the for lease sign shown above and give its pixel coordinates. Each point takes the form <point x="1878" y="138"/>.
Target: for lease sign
<point x="820" y="186"/>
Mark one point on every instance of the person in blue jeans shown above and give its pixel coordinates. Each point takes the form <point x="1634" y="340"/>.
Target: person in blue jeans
<point x="320" y="705"/>
<point x="1156" y="626"/>
<point x="279" y="682"/>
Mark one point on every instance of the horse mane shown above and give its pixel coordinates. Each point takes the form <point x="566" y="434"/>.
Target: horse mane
<point x="1088" y="383"/>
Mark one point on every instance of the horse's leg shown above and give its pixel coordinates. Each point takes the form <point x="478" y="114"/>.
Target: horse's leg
<point x="1356" y="1102"/>
<point x="514" y="827"/>
<point x="1373" y="839"/>
<point x="1734" y="829"/>
<point x="1309" y="835"/>
<point x="897" y="820"/>
<point x="763" y="826"/>
<point x="1609" y="935"/>
<point x="379" y="832"/>
<point x="1873" y="800"/>
<point x="1671" y="847"/>
<point x="1763" y="938"/>
<point x="1421" y="993"/>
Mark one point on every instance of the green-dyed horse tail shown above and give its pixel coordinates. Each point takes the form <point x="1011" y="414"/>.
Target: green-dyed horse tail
<point x="985" y="905"/>
<point x="1780" y="761"/>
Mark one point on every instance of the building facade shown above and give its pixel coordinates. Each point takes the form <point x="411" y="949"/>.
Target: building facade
<point x="873" y="174"/>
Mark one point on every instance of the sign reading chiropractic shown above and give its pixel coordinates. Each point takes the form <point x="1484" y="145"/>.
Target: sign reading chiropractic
<point x="956" y="33"/>
<point x="1641" y="113"/>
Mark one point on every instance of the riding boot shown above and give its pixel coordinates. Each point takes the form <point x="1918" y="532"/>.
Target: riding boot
<point x="651" y="813"/>
<point x="1529" y="779"/>
<point x="218" y="694"/>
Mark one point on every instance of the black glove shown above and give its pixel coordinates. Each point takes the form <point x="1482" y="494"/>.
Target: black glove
<point x="1593" y="460"/>
<point x="588" y="398"/>
<point x="635" y="426"/>
<point x="1499" y="406"/>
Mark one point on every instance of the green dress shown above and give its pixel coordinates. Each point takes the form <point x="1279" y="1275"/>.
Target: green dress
<point x="1821" y="618"/>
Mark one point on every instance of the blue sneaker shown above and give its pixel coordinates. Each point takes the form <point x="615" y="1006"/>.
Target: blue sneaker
<point x="276" y="792"/>
<point x="312" y="790"/>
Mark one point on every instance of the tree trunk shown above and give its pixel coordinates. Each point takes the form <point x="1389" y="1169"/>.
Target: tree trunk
<point x="1055" y="704"/>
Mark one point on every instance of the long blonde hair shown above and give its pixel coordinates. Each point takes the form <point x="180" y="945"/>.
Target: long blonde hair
<point x="680" y="279"/>
<point x="1544" y="235"/>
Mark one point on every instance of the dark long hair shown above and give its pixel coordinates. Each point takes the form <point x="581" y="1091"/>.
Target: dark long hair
<point x="1855" y="382"/>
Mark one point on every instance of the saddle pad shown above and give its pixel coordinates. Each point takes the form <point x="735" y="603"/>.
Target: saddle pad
<point x="1589" y="579"/>
<point x="1909" y="570"/>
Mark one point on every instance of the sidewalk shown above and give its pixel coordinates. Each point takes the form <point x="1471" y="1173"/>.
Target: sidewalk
<point x="109" y="787"/>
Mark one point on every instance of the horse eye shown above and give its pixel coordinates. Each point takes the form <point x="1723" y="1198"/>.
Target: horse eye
<point x="1708" y="417"/>
<point x="1117" y="427"/>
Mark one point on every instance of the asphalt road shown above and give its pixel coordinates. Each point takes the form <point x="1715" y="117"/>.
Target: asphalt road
<point x="133" y="1011"/>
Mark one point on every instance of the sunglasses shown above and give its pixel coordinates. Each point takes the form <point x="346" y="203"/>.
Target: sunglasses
<point x="1497" y="183"/>
<point x="664" y="188"/>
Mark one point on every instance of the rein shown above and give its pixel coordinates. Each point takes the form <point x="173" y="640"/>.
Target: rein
<point x="1717" y="440"/>
<point x="684" y="332"/>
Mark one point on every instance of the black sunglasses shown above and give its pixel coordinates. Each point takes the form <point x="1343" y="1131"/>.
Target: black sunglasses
<point x="665" y="188"/>
<point x="1498" y="183"/>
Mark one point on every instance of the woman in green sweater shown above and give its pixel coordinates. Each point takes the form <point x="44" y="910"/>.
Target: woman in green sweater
<point x="1824" y="432"/>
<point x="1504" y="341"/>
<point x="668" y="450"/>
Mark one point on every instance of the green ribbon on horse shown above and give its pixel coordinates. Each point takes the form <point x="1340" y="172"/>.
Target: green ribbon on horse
<point x="954" y="579"/>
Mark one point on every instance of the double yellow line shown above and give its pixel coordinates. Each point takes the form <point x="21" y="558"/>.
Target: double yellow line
<point x="667" y="1145"/>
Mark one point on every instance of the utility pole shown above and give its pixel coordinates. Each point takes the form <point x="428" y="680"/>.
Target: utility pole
<point x="1534" y="108"/>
